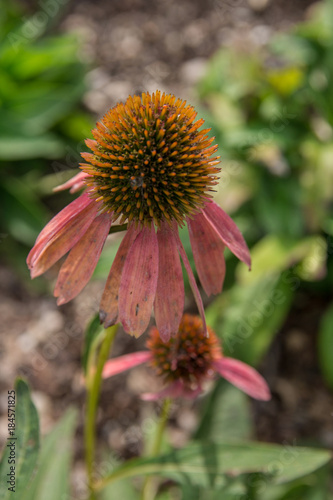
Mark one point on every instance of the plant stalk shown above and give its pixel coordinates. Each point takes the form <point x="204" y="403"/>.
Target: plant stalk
<point x="149" y="488"/>
<point x="93" y="391"/>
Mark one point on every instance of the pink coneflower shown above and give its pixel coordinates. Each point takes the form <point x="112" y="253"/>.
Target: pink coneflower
<point x="187" y="360"/>
<point x="150" y="168"/>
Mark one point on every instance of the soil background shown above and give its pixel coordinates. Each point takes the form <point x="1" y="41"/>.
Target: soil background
<point x="134" y="46"/>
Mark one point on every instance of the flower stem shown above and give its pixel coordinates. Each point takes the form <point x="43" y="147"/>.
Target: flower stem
<point x="148" y="490"/>
<point x="253" y="482"/>
<point x="117" y="229"/>
<point x="93" y="391"/>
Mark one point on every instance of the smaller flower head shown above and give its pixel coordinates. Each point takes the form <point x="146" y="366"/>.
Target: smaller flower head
<point x="186" y="361"/>
<point x="187" y="357"/>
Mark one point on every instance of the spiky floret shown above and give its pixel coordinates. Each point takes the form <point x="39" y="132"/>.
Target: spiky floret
<point x="150" y="162"/>
<point x="188" y="356"/>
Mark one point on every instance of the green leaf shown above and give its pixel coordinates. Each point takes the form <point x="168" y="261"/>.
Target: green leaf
<point x="17" y="148"/>
<point x="325" y="346"/>
<point x="52" y="478"/>
<point x="226" y="415"/>
<point x="25" y="214"/>
<point x="313" y="266"/>
<point x="121" y="489"/>
<point x="211" y="463"/>
<point x="190" y="492"/>
<point x="248" y="316"/>
<point x="274" y="254"/>
<point x="41" y="113"/>
<point x="314" y="486"/>
<point x="25" y="444"/>
<point x="92" y="335"/>
<point x="236" y="492"/>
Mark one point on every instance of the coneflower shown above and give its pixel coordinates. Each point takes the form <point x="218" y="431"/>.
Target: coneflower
<point x="185" y="362"/>
<point x="151" y="169"/>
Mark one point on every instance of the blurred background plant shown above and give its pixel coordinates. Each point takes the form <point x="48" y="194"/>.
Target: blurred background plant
<point x="271" y="110"/>
<point x="272" y="115"/>
<point x="42" y="122"/>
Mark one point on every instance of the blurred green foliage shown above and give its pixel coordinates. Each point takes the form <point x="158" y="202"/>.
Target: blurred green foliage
<point x="20" y="455"/>
<point x="272" y="114"/>
<point x="42" y="124"/>
<point x="219" y="466"/>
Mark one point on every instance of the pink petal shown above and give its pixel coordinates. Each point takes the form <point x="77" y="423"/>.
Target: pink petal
<point x="191" y="277"/>
<point x="123" y="363"/>
<point x="244" y="377"/>
<point x="207" y="249"/>
<point x="138" y="282"/>
<point x="74" y="184"/>
<point x="169" y="300"/>
<point x="228" y="231"/>
<point x="82" y="260"/>
<point x="48" y="250"/>
<point x="108" y="311"/>
<point x="59" y="221"/>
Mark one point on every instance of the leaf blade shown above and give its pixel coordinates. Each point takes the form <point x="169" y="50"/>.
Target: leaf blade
<point x="26" y="443"/>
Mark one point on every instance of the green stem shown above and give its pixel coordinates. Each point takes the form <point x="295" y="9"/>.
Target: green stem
<point x="93" y="390"/>
<point x="117" y="229"/>
<point x="149" y="488"/>
<point x="252" y="482"/>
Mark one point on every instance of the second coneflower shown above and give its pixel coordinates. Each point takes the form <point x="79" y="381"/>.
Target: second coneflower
<point x="185" y="363"/>
<point x="152" y="169"/>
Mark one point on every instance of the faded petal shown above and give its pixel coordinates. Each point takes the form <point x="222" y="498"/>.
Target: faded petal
<point x="82" y="260"/>
<point x="228" y="231"/>
<point x="50" y="249"/>
<point x="68" y="213"/>
<point x="191" y="277"/>
<point x="244" y="377"/>
<point x="108" y="311"/>
<point x="74" y="184"/>
<point x="123" y="363"/>
<point x="138" y="283"/>
<point x="169" y="300"/>
<point x="207" y="249"/>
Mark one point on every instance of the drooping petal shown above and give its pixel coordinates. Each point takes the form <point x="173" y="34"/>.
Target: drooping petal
<point x="74" y="184"/>
<point x="244" y="377"/>
<point x="82" y="260"/>
<point x="138" y="282"/>
<point x="108" y="311"/>
<point x="63" y="218"/>
<point x="191" y="277"/>
<point x="46" y="253"/>
<point x="169" y="300"/>
<point x="228" y="231"/>
<point x="123" y="363"/>
<point x="207" y="249"/>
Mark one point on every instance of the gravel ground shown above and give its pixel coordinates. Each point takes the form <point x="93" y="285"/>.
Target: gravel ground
<point x="139" y="45"/>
